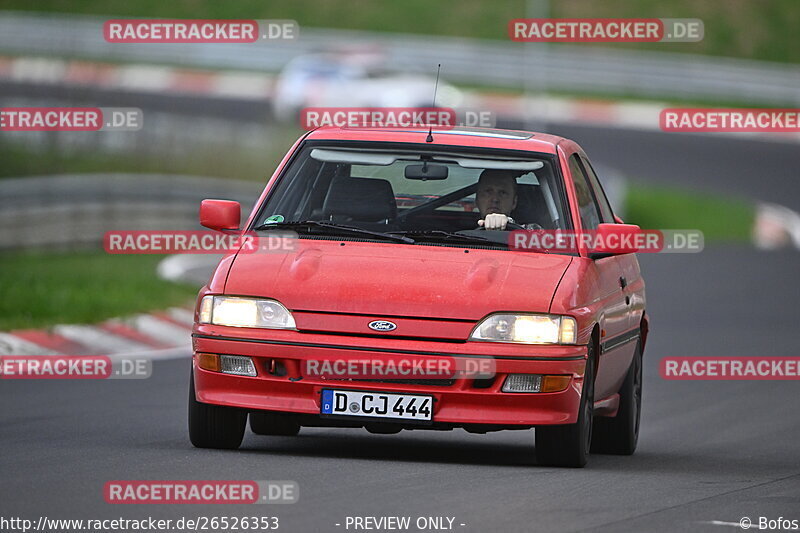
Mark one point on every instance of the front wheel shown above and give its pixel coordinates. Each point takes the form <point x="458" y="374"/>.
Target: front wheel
<point x="568" y="444"/>
<point x="620" y="434"/>
<point x="214" y="426"/>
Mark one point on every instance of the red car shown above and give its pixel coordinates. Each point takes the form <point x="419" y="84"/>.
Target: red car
<point x="317" y="333"/>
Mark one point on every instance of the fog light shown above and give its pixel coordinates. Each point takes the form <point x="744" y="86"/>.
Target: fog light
<point x="208" y="361"/>
<point x="522" y="383"/>
<point x="238" y="365"/>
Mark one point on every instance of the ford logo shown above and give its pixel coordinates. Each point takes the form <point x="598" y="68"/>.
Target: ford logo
<point x="382" y="325"/>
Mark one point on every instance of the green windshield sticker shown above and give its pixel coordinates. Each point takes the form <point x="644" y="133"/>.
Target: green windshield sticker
<point x="274" y="219"/>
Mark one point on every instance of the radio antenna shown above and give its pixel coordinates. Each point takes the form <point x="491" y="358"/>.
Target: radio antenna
<point x="429" y="139"/>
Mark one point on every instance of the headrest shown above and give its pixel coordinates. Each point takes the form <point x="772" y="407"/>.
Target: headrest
<point x="531" y="207"/>
<point x="364" y="199"/>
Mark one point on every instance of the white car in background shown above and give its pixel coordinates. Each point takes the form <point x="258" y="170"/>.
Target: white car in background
<point x="353" y="80"/>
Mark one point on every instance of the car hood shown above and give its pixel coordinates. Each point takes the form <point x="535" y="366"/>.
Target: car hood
<point x="385" y="279"/>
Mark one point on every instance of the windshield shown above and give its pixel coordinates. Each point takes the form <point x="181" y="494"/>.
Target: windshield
<point x="416" y="191"/>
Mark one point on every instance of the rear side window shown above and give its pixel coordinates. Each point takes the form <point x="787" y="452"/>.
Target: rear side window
<point x="589" y="213"/>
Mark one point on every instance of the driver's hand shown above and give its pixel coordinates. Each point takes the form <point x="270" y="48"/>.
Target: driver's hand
<point x="494" y="221"/>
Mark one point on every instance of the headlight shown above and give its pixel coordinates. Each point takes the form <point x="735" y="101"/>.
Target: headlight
<point x="245" y="313"/>
<point x="527" y="329"/>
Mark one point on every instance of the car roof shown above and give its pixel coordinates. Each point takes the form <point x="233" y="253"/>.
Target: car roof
<point x="457" y="136"/>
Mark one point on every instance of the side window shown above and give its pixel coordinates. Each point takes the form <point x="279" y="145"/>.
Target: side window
<point x="599" y="193"/>
<point x="590" y="216"/>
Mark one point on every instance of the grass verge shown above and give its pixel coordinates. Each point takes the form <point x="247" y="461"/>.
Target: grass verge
<point x="46" y="288"/>
<point x="659" y="207"/>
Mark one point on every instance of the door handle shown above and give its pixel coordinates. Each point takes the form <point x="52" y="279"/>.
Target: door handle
<point x="623" y="282"/>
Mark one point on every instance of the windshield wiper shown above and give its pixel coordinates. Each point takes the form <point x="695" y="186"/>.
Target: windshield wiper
<point x="329" y="228"/>
<point x="447" y="236"/>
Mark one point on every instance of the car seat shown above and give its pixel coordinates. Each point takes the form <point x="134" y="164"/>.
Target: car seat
<point x="531" y="207"/>
<point x="364" y="202"/>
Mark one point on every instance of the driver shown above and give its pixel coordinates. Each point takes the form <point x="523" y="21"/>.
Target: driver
<point x="496" y="197"/>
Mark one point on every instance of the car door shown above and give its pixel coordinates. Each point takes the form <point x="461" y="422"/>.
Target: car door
<point x="609" y="290"/>
<point x="631" y="281"/>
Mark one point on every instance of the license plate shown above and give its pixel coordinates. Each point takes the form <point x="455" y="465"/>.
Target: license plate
<point x="377" y="405"/>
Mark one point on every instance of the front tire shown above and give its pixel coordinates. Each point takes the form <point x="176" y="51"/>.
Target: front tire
<point x="620" y="434"/>
<point x="568" y="444"/>
<point x="214" y="426"/>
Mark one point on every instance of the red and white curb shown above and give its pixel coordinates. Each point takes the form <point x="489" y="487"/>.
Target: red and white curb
<point x="258" y="86"/>
<point x="641" y="115"/>
<point x="147" y="78"/>
<point x="161" y="335"/>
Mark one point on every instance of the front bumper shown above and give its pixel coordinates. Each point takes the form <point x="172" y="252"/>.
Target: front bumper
<point x="458" y="402"/>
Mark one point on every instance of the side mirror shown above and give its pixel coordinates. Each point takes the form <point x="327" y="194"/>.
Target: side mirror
<point x="615" y="239"/>
<point x="220" y="214"/>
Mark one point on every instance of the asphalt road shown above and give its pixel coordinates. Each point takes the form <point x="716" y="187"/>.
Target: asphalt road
<point x="709" y="451"/>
